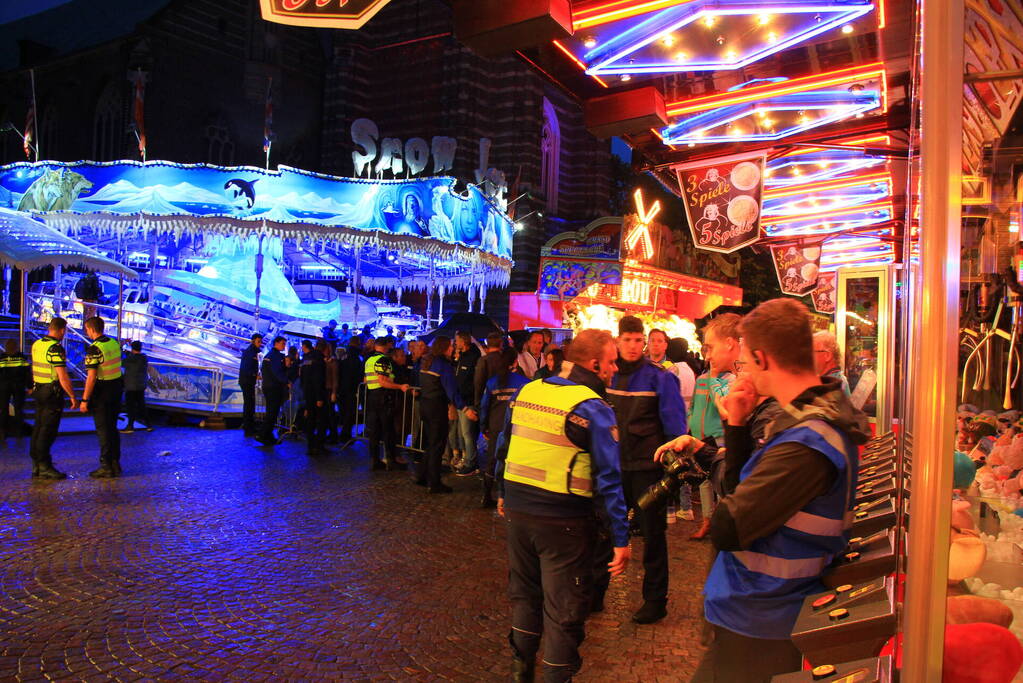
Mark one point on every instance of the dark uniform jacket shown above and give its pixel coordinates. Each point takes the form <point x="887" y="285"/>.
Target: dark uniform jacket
<point x="249" y="366"/>
<point x="313" y="375"/>
<point x="438" y="383"/>
<point x="275" y="376"/>
<point x="465" y="372"/>
<point x="15" y="376"/>
<point x="649" y="409"/>
<point x="136" y="371"/>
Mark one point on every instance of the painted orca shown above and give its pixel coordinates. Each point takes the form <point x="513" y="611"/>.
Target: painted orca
<point x="236" y="187"/>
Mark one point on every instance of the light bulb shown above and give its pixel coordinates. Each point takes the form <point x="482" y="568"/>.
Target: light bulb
<point x="764" y="19"/>
<point x="668" y="40"/>
<point x="847" y="29"/>
<point x="680" y="57"/>
<point x="708" y="21"/>
<point x="731" y="55"/>
<point x="772" y="37"/>
<point x="590" y="42"/>
<point x="626" y="77"/>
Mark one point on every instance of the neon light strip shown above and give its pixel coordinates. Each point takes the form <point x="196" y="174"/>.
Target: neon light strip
<point x="582" y="66"/>
<point x="847" y="143"/>
<point x="604" y="14"/>
<point x="845" y="15"/>
<point x="882" y="18"/>
<point x="873" y="71"/>
<point x="824" y="215"/>
<point x="823" y="186"/>
<point x="845" y="111"/>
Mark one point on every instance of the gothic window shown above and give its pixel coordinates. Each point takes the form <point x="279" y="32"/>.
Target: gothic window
<point x="550" y="148"/>
<point x="107" y="126"/>
<point x="220" y="143"/>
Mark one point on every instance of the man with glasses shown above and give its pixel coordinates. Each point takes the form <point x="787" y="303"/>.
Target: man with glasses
<point x="785" y="520"/>
<point x="827" y="359"/>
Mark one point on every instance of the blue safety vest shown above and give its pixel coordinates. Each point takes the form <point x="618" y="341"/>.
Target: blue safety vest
<point x="758" y="592"/>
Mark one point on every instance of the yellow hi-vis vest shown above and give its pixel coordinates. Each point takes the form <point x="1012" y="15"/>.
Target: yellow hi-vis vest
<point x="42" y="371"/>
<point x="110" y="368"/>
<point x="540" y="453"/>
<point x="13" y="361"/>
<point x="371" y="372"/>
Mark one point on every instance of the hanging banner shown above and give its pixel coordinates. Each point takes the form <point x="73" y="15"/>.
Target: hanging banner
<point x="824" y="295"/>
<point x="350" y="14"/>
<point x="797" y="266"/>
<point x="722" y="198"/>
<point x="565" y="279"/>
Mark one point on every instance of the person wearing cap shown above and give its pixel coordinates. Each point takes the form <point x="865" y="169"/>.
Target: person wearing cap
<point x="50" y="377"/>
<point x="104" y="386"/>
<point x="15" y="379"/>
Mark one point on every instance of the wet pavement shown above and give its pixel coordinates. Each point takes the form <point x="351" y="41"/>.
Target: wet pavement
<point x="223" y="561"/>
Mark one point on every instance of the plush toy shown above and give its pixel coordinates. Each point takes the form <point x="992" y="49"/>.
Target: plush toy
<point x="963" y="471"/>
<point x="1006" y="420"/>
<point x="961" y="517"/>
<point x="966" y="555"/>
<point x="980" y="653"/>
<point x="972" y="609"/>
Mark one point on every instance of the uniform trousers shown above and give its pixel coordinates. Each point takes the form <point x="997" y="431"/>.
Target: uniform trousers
<point x="49" y="405"/>
<point x="653" y="524"/>
<point x="105" y="405"/>
<point x="550" y="563"/>
<point x="248" y="387"/>
<point x="380" y="423"/>
<point x="274" y="396"/>
<point x="435" y="435"/>
<point x="12" y="393"/>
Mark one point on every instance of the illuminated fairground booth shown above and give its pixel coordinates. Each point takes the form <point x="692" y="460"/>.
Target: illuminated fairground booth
<point x="225" y="251"/>
<point x="635" y="265"/>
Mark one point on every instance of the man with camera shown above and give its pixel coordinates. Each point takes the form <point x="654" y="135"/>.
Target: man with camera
<point x="649" y="410"/>
<point x="785" y="519"/>
<point x="557" y="452"/>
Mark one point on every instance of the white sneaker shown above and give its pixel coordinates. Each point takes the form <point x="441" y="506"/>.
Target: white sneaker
<point x="686" y="515"/>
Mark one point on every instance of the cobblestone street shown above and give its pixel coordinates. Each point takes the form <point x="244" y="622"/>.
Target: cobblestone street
<point x="222" y="561"/>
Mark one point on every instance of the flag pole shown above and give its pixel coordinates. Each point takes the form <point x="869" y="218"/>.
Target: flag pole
<point x="32" y="78"/>
<point x="268" y="113"/>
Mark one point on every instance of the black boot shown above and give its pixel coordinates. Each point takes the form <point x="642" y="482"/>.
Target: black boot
<point x="487" y="500"/>
<point x="522" y="671"/>
<point x="106" y="471"/>
<point x="50" y="472"/>
<point x="651" y="612"/>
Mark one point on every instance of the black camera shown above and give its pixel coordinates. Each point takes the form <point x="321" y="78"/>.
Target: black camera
<point x="679" y="467"/>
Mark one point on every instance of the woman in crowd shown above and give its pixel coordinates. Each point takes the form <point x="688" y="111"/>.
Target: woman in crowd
<point x="439" y="392"/>
<point x="552" y="364"/>
<point x="493" y="409"/>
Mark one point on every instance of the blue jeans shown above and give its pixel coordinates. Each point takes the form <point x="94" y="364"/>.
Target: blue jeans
<point x="469" y="430"/>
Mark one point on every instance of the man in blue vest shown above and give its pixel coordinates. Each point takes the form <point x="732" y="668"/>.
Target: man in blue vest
<point x="791" y="511"/>
<point x="557" y="453"/>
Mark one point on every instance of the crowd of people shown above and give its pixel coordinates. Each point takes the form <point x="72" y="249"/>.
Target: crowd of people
<point x="569" y="442"/>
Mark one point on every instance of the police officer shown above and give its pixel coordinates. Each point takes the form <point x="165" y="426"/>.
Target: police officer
<point x="497" y="394"/>
<point x="49" y="374"/>
<point x="439" y="393"/>
<point x="649" y="406"/>
<point x="275" y="389"/>
<point x="380" y="384"/>
<point x="102" y="396"/>
<point x="15" y="378"/>
<point x="248" y="371"/>
<point x="314" y="392"/>
<point x="559" y="449"/>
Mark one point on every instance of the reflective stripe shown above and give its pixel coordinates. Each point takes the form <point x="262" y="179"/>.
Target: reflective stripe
<point x="110" y="365"/>
<point x="780" y="567"/>
<point x="834" y="439"/>
<point x="525" y="471"/>
<point x="541" y="436"/>
<point x="540" y="408"/>
<point x="618" y="392"/>
<point x="815" y="524"/>
<point x="579" y="484"/>
<point x="430" y="372"/>
<point x="43" y="372"/>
